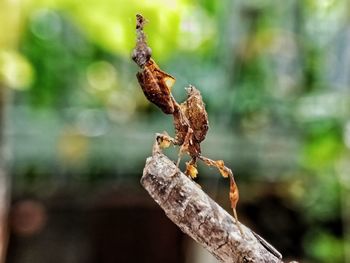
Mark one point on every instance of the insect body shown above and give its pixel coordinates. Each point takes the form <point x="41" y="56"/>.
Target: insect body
<point x="191" y="123"/>
<point x="190" y="117"/>
<point x="156" y="85"/>
<point x="142" y="52"/>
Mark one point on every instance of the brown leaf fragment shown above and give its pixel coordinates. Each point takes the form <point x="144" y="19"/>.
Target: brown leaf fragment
<point x="196" y="113"/>
<point x="156" y="85"/>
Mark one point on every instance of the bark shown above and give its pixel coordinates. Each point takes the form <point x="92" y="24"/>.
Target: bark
<point x="197" y="215"/>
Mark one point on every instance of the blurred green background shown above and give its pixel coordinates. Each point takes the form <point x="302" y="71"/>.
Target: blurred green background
<point x="275" y="78"/>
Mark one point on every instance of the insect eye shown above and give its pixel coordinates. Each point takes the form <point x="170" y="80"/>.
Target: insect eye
<point x="149" y="53"/>
<point x="133" y="55"/>
<point x="189" y="89"/>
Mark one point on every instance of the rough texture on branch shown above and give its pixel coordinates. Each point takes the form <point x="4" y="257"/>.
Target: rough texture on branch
<point x="199" y="216"/>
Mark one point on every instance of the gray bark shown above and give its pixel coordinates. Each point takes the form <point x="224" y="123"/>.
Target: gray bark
<point x="197" y="215"/>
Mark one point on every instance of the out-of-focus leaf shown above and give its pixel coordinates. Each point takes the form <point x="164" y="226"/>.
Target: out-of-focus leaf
<point x="15" y="70"/>
<point x="324" y="247"/>
<point x="323" y="147"/>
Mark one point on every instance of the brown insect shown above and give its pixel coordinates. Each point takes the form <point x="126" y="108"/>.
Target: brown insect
<point x="156" y="86"/>
<point x="190" y="117"/>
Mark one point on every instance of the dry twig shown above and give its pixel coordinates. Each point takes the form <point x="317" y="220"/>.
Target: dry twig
<point x="200" y="217"/>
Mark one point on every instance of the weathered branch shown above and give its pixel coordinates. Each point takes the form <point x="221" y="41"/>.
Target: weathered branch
<point x="200" y="217"/>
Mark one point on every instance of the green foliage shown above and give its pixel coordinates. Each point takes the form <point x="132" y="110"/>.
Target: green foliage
<point x="324" y="145"/>
<point x="321" y="199"/>
<point x="324" y="247"/>
<point x="59" y="53"/>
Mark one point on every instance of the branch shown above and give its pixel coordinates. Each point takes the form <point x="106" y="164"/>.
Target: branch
<point x="197" y="215"/>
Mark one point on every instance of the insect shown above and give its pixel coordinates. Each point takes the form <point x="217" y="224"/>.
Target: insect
<point x="190" y="117"/>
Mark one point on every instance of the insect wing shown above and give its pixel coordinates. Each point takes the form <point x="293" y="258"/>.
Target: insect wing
<point x="197" y="114"/>
<point x="165" y="79"/>
<point x="155" y="89"/>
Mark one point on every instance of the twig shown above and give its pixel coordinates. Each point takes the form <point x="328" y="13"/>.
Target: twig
<point x="196" y="214"/>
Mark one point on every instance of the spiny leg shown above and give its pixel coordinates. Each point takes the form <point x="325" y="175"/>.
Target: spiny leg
<point x="163" y="140"/>
<point x="184" y="145"/>
<point x="234" y="197"/>
<point x="234" y="193"/>
<point x="219" y="164"/>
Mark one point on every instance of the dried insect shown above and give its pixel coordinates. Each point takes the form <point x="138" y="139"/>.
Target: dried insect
<point x="155" y="83"/>
<point x="190" y="117"/>
<point x="142" y="53"/>
<point x="156" y="86"/>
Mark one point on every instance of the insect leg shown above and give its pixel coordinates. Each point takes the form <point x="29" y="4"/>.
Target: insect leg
<point x="163" y="140"/>
<point x="184" y="145"/>
<point x="234" y="193"/>
<point x="234" y="197"/>
<point x="219" y="164"/>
